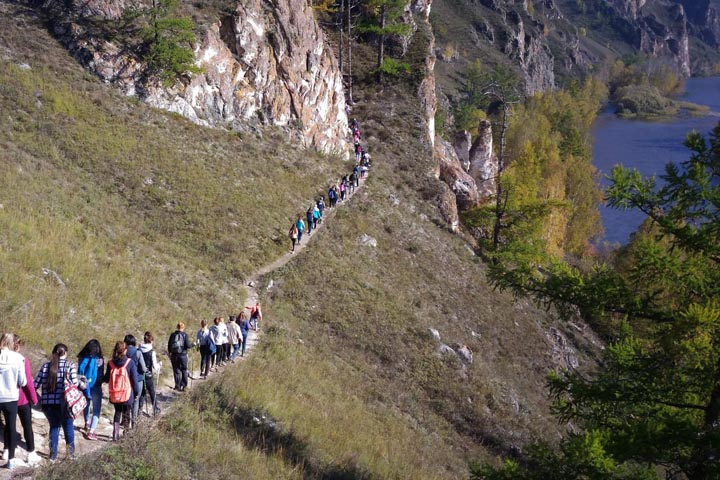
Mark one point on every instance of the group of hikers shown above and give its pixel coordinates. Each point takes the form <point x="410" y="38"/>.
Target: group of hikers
<point x="130" y="373"/>
<point x="69" y="390"/>
<point x="338" y="192"/>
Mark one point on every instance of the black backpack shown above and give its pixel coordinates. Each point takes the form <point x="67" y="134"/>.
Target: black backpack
<point x="177" y="343"/>
<point x="148" y="362"/>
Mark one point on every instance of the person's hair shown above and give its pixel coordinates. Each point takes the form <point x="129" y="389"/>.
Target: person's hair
<point x="181" y="326"/>
<point x="148" y="337"/>
<point x="203" y="323"/>
<point x="216" y="320"/>
<point x="58" y="351"/>
<point x="7" y="341"/>
<point x="119" y="352"/>
<point x="232" y="318"/>
<point x="130" y="340"/>
<point x="242" y="315"/>
<point x="300" y="217"/>
<point x="91" y="349"/>
<point x="17" y="341"/>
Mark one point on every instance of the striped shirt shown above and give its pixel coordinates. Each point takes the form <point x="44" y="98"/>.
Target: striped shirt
<point x="56" y="397"/>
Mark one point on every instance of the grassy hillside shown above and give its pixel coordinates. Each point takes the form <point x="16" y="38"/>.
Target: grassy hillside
<point x="147" y="219"/>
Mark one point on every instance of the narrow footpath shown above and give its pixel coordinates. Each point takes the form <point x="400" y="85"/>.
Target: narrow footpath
<point x="164" y="381"/>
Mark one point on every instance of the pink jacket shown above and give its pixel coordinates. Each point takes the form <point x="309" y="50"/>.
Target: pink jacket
<point x="28" y="391"/>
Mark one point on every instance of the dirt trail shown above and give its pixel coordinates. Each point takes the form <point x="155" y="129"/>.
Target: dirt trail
<point x="165" y="383"/>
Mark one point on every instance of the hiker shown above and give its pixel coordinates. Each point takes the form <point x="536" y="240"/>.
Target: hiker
<point x="207" y="348"/>
<point x="300" y="228"/>
<point x="12" y="379"/>
<point x="255" y="315"/>
<point x="332" y="196"/>
<point x="51" y="378"/>
<point x="235" y="336"/>
<point x="153" y="371"/>
<point x="92" y="365"/>
<point x="217" y="334"/>
<point x="134" y="354"/>
<point x="244" y="329"/>
<point x="355" y="177"/>
<point x="27" y="398"/>
<point x="352" y="181"/>
<point x="321" y="207"/>
<point x="178" y="345"/>
<point x="354" y="125"/>
<point x="293" y="234"/>
<point x="315" y="215"/>
<point x="310" y="221"/>
<point x="358" y="152"/>
<point x="120" y="374"/>
<point x="343" y="187"/>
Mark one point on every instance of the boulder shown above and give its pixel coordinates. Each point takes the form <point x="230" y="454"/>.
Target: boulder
<point x="435" y="334"/>
<point x="367" y="241"/>
<point x="483" y="162"/>
<point x="452" y="173"/>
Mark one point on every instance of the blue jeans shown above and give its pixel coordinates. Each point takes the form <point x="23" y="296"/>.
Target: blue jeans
<point x="236" y="350"/>
<point x="96" y="402"/>
<point x="57" y="417"/>
<point x="300" y="232"/>
<point x="245" y="335"/>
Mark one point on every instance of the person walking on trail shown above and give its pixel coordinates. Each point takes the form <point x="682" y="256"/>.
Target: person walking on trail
<point x="315" y="216"/>
<point x="310" y="220"/>
<point x="355" y="177"/>
<point x="92" y="365"/>
<point x="352" y="182"/>
<point x="358" y="152"/>
<point x="235" y="336"/>
<point x="207" y="348"/>
<point x="343" y="185"/>
<point x="332" y="196"/>
<point x="178" y="345"/>
<point x="255" y="315"/>
<point x="223" y="342"/>
<point x="153" y="371"/>
<point x="134" y="354"/>
<point x="354" y="125"/>
<point x="120" y="374"/>
<point x="293" y="235"/>
<point x="27" y="398"/>
<point x="245" y="330"/>
<point x="50" y="380"/>
<point x="321" y="208"/>
<point x="300" y="228"/>
<point x="12" y="378"/>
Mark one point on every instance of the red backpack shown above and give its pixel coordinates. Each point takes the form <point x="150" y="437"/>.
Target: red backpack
<point x="119" y="385"/>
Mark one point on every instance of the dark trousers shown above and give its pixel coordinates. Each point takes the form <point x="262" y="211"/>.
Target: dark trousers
<point x="226" y="351"/>
<point x="25" y="416"/>
<point x="205" y="360"/>
<point x="179" y="363"/>
<point x="9" y="412"/>
<point x="148" y="389"/>
<point x="121" y="410"/>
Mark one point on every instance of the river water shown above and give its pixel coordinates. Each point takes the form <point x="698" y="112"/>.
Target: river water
<point x="647" y="146"/>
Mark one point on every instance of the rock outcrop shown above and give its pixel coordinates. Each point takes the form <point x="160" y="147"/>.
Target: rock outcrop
<point x="261" y="66"/>
<point x="483" y="162"/>
<point x="452" y="173"/>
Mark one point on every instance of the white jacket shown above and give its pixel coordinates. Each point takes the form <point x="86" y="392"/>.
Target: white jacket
<point x="12" y="375"/>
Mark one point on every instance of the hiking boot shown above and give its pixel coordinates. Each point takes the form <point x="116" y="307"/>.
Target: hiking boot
<point x="91" y="436"/>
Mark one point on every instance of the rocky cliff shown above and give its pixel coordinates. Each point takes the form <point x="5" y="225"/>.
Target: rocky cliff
<point x="263" y="63"/>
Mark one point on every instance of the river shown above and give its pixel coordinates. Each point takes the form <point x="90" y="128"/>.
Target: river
<point x="647" y="146"/>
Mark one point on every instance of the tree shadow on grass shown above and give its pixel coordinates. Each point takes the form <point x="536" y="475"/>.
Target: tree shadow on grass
<point x="261" y="432"/>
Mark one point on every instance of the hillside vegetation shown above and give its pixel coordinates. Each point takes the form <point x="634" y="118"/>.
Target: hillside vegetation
<point x="141" y="219"/>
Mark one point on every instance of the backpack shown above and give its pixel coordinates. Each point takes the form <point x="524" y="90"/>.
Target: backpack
<point x="177" y="343"/>
<point x="211" y="344"/>
<point x="293" y="233"/>
<point x="148" y="362"/>
<point x="87" y="371"/>
<point x="119" y="384"/>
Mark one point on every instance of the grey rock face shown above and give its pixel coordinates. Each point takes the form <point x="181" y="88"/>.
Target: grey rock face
<point x="260" y="66"/>
<point x="451" y="172"/>
<point x="483" y="162"/>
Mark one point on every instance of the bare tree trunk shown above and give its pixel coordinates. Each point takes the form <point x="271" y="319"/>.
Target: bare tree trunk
<point x="342" y="39"/>
<point x="381" y="46"/>
<point x="499" y="204"/>
<point x="349" y="47"/>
